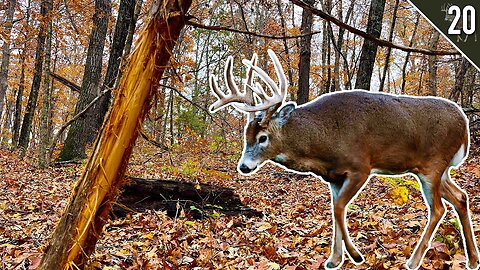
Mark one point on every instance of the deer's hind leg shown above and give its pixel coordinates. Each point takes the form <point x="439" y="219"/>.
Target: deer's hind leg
<point x="458" y="198"/>
<point x="430" y="182"/>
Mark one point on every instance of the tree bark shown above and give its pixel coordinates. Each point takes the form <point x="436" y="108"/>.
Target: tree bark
<point x="21" y="86"/>
<point x="124" y="18"/>
<point x="459" y="79"/>
<point x="407" y="57"/>
<point x="369" y="49"/>
<point x="24" y="138"/>
<point x="45" y="122"/>
<point x="305" y="54"/>
<point x="432" y="65"/>
<point x="132" y="26"/>
<point x="81" y="225"/>
<point x="84" y="130"/>
<point x="285" y="43"/>
<point x="389" y="50"/>
<point x="8" y="24"/>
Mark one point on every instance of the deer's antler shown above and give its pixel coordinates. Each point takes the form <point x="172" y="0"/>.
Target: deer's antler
<point x="254" y="98"/>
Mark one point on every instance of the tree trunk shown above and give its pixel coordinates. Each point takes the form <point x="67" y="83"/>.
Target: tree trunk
<point x="125" y="16"/>
<point x="83" y="131"/>
<point x="389" y="50"/>
<point x="459" y="80"/>
<point x="327" y="46"/>
<point x="81" y="225"/>
<point x="339" y="46"/>
<point x="7" y="28"/>
<point x="285" y="44"/>
<point x="305" y="54"/>
<point x="369" y="49"/>
<point x="131" y="27"/>
<point x="37" y="77"/>
<point x="432" y="65"/>
<point x="45" y="122"/>
<point x="407" y="57"/>
<point x="18" y="100"/>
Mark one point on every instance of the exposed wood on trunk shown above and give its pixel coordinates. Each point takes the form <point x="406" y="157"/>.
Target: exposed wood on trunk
<point x="142" y="194"/>
<point x="81" y="225"/>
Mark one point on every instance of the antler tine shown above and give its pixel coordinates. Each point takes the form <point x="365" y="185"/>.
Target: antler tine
<point x="231" y="85"/>
<point x="252" y="92"/>
<point x="234" y="94"/>
<point x="278" y="91"/>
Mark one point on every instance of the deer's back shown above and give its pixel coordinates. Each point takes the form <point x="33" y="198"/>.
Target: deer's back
<point x="393" y="132"/>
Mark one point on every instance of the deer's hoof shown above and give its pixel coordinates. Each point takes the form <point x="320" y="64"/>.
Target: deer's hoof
<point x="358" y="258"/>
<point x="333" y="263"/>
<point x="473" y="264"/>
<point x="412" y="265"/>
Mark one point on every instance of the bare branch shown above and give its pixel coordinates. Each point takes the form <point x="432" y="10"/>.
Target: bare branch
<point x="222" y="28"/>
<point x="73" y="86"/>
<point x="378" y="41"/>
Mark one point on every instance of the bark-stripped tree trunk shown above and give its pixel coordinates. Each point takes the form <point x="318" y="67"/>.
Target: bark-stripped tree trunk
<point x="432" y="65"/>
<point x="81" y="225"/>
<point x="45" y="122"/>
<point x="305" y="54"/>
<point x="83" y="131"/>
<point x="369" y="49"/>
<point x="389" y="50"/>
<point x="24" y="138"/>
<point x="8" y="24"/>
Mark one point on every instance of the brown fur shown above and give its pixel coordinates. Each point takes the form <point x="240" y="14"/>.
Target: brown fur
<point x="343" y="136"/>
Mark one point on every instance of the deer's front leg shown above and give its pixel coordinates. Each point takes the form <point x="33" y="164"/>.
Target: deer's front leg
<point x="342" y="194"/>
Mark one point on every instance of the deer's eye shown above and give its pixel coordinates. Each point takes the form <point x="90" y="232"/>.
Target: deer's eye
<point x="262" y="139"/>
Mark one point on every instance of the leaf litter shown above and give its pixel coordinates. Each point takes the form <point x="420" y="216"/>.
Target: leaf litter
<point x="294" y="232"/>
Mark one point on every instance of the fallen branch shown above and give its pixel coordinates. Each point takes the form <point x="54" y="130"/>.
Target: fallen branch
<point x="141" y="194"/>
<point x="378" y="41"/>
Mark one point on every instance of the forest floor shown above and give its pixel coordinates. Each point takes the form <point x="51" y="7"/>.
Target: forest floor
<point x="294" y="232"/>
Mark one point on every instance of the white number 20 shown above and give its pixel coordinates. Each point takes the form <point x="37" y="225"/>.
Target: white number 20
<point x="468" y="16"/>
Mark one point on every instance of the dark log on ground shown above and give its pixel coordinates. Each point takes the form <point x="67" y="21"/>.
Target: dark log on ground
<point x="197" y="200"/>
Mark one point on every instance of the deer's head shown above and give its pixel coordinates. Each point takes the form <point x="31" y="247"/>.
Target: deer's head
<point x="263" y="132"/>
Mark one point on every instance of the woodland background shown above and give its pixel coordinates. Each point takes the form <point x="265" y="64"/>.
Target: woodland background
<point x="60" y="64"/>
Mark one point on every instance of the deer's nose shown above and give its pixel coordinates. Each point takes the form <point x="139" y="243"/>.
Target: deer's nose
<point x="244" y="168"/>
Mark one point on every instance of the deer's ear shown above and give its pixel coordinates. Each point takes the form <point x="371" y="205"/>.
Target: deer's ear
<point x="284" y="114"/>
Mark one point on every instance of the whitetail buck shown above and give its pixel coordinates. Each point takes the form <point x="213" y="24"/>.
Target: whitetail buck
<point x="345" y="137"/>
